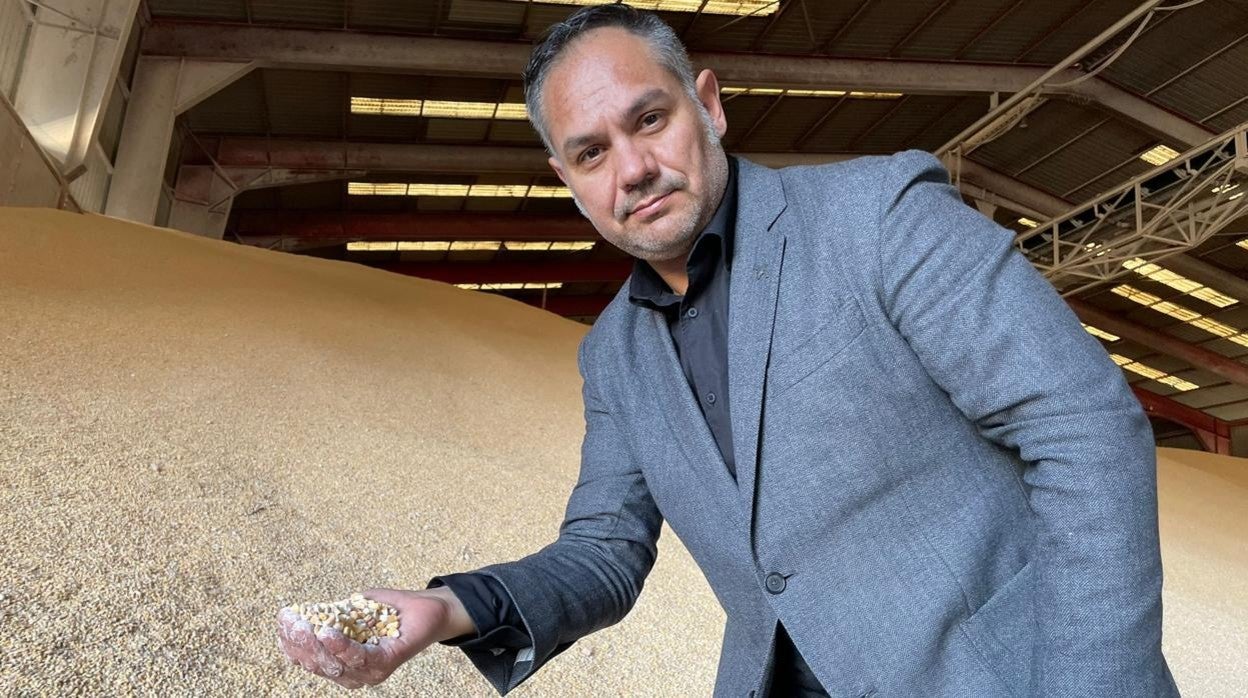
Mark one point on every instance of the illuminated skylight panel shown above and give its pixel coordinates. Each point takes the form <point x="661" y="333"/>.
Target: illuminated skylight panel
<point x="459" y="245"/>
<point x="754" y="8"/>
<point x="475" y="245"/>
<point x="1028" y="222"/>
<point x="1159" y="155"/>
<point x="776" y="91"/>
<point x="440" y="108"/>
<point x="376" y="189"/>
<point x="1179" y="282"/>
<point x="512" y="286"/>
<point x="1242" y="244"/>
<point x="1152" y="373"/>
<point x="424" y="246"/>
<point x="1098" y="332"/>
<point x="1178" y="312"/>
<point x="544" y="246"/>
<point x="546" y="191"/>
<point x="513" y="191"/>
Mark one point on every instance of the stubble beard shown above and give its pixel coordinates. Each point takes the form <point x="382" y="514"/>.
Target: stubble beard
<point x="656" y="247"/>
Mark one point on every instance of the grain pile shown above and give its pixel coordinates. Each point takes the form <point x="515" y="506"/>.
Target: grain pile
<point x="180" y="419"/>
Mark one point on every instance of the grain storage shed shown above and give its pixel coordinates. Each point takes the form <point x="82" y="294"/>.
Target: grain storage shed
<point x="290" y="300"/>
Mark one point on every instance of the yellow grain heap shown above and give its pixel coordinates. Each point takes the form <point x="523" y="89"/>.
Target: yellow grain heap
<point x="190" y="430"/>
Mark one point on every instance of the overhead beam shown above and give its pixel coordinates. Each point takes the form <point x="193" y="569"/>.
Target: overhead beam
<point x="353" y="51"/>
<point x="356" y="51"/>
<point x="245" y="153"/>
<point x="1200" y="357"/>
<point x="239" y="156"/>
<point x="513" y="272"/>
<point x="336" y="226"/>
<point x="1213" y="433"/>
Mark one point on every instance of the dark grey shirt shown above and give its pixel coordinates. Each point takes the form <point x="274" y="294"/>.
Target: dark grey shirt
<point x="698" y="321"/>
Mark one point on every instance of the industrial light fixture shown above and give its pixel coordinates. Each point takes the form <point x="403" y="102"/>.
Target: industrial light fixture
<point x="1159" y="155"/>
<point x="435" y="108"/>
<point x="515" y="191"/>
<point x="1150" y="372"/>
<point x="545" y="246"/>
<point x="512" y="286"/>
<point x="1178" y="312"/>
<point x="1098" y="332"/>
<point x="756" y="8"/>
<point x="1179" y="282"/>
<point x="776" y="91"/>
<point x="1028" y="222"/>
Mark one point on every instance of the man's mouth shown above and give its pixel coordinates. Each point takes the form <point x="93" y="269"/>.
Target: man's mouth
<point x="650" y="205"/>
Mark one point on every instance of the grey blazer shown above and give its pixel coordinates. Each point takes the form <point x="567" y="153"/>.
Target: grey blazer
<point x="946" y="487"/>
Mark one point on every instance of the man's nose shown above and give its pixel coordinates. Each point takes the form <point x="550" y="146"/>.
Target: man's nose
<point x="637" y="166"/>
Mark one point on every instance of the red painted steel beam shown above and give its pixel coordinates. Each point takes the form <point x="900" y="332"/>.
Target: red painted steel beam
<point x="1200" y="357"/>
<point x="1213" y="433"/>
<point x="571" y="306"/>
<point x="240" y="151"/>
<point x="505" y="272"/>
<point x="336" y="225"/>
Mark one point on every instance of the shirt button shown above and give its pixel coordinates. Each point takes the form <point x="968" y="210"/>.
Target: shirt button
<point x="692" y="313"/>
<point x="775" y="583"/>
<point x="710" y="397"/>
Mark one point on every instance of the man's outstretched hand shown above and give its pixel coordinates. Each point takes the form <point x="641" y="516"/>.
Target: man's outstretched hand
<point x="425" y="617"/>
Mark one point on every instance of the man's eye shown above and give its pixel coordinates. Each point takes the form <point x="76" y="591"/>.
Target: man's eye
<point x="650" y="119"/>
<point x="590" y="153"/>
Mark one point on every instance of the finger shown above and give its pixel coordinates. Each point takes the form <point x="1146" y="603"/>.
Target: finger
<point x="301" y="644"/>
<point x="344" y="649"/>
<point x="281" y="646"/>
<point x="299" y="632"/>
<point x="390" y="597"/>
<point x="324" y="658"/>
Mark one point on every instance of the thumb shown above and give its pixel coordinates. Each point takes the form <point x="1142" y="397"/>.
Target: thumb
<point x="420" y="617"/>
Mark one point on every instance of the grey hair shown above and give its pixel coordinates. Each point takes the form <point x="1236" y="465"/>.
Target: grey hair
<point x="667" y="47"/>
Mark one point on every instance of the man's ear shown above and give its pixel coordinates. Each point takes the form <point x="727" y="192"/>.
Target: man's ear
<point x="708" y="93"/>
<point x="554" y="165"/>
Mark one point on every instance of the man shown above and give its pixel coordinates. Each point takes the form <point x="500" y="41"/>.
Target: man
<point x="931" y="480"/>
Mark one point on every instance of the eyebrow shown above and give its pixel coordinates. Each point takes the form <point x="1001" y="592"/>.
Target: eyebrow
<point x="638" y="106"/>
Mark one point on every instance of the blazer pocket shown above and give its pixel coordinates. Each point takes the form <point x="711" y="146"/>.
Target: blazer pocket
<point x="793" y="358"/>
<point x="1003" y="630"/>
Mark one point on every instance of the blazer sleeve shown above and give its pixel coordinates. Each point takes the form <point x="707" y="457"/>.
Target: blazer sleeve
<point x="591" y="576"/>
<point x="1014" y="358"/>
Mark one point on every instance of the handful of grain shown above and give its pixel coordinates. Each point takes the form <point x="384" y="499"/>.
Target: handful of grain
<point x="360" y="619"/>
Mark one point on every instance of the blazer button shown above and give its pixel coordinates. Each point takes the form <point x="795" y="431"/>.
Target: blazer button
<point x="775" y="583"/>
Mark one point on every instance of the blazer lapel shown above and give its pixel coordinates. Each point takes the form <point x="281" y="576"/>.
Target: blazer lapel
<point x="756" y="263"/>
<point x="670" y="394"/>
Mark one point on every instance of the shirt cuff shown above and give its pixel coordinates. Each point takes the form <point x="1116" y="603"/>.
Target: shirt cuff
<point x="491" y="609"/>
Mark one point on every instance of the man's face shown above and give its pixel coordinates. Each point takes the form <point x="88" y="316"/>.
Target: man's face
<point x="631" y="145"/>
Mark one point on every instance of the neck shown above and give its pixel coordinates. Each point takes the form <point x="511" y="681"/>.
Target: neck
<point x="674" y="272"/>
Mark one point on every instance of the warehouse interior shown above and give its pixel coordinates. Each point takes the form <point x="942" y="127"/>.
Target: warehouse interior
<point x="249" y="218"/>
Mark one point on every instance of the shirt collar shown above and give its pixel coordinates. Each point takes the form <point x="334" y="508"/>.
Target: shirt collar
<point x="647" y="288"/>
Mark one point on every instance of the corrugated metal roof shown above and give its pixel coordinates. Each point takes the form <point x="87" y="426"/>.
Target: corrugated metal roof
<point x="305" y="13"/>
<point x="1204" y="45"/>
<point x="305" y="103"/>
<point x="224" y="10"/>
<point x="237" y="109"/>
<point x="393" y="15"/>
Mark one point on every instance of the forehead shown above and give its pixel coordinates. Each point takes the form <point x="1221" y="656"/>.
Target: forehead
<point x="603" y="70"/>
